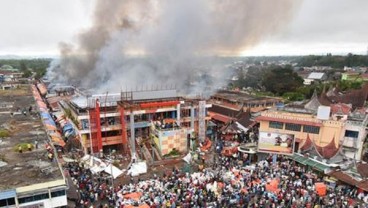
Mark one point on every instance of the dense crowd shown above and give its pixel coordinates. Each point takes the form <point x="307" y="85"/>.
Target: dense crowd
<point x="226" y="183"/>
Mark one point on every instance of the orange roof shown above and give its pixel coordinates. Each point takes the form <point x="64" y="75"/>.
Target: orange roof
<point x="58" y="141"/>
<point x="340" y="108"/>
<point x="221" y="118"/>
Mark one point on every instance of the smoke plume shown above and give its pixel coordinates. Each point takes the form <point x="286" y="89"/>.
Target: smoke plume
<point x="147" y="43"/>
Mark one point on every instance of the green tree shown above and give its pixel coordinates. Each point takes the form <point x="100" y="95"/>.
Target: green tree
<point x="293" y="96"/>
<point x="279" y="80"/>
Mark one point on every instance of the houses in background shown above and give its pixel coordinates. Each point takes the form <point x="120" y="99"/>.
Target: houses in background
<point x="10" y="78"/>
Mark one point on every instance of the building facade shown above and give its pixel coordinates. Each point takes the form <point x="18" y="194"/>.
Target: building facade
<point x="108" y="120"/>
<point x="330" y="131"/>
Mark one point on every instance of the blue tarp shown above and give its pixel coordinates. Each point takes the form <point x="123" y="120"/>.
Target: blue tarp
<point x="45" y="115"/>
<point x="49" y="121"/>
<point x="67" y="127"/>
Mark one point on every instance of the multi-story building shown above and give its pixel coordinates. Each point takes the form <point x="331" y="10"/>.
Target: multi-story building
<point x="329" y="131"/>
<point x="160" y="115"/>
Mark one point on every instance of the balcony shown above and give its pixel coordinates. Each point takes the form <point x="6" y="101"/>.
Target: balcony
<point x="112" y="140"/>
<point x="350" y="142"/>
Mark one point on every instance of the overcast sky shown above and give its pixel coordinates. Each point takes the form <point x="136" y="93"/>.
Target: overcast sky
<point x="36" y="27"/>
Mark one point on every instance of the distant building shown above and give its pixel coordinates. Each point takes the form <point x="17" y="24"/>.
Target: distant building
<point x="315" y="77"/>
<point x="354" y="76"/>
<point x="241" y="100"/>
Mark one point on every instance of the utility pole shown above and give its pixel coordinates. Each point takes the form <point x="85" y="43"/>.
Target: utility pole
<point x="112" y="175"/>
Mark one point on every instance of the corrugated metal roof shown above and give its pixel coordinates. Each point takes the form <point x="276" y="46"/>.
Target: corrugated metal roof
<point x="316" y="75"/>
<point x="7" y="194"/>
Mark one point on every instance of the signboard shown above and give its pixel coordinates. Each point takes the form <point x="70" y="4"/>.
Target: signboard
<point x="276" y="143"/>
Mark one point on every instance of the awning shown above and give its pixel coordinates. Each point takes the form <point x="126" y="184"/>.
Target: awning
<point x="50" y="127"/>
<point x="309" y="162"/>
<point x="58" y="141"/>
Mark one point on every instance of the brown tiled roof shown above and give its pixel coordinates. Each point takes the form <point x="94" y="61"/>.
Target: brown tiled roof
<point x="224" y="111"/>
<point x="362" y="169"/>
<point x="343" y="177"/>
<point x="307" y="144"/>
<point x="221" y="118"/>
<point x="329" y="150"/>
<point x="244" y="119"/>
<point x="362" y="185"/>
<point x="325" y="100"/>
<point x="355" y="97"/>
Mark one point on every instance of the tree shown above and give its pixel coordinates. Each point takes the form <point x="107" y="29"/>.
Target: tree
<point x="279" y="80"/>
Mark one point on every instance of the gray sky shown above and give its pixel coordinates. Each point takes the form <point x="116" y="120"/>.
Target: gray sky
<point x="36" y="27"/>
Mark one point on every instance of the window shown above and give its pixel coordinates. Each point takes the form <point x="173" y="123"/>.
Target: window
<point x="276" y="125"/>
<point x="311" y="129"/>
<point x="7" y="202"/>
<point x="293" y="127"/>
<point x="57" y="193"/>
<point x="352" y="134"/>
<point x="37" y="197"/>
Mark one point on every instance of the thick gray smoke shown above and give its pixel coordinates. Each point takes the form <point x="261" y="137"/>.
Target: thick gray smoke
<point x="149" y="43"/>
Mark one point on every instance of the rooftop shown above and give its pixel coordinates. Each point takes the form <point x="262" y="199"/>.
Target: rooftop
<point x="316" y="75"/>
<point x="30" y="167"/>
<point x="241" y="97"/>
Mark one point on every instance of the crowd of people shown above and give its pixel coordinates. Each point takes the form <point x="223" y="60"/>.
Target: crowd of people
<point x="226" y="183"/>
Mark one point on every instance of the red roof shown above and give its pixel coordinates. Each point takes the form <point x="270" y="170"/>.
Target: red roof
<point x="266" y="118"/>
<point x="340" y="108"/>
<point x="307" y="144"/>
<point x="329" y="150"/>
<point x="221" y="118"/>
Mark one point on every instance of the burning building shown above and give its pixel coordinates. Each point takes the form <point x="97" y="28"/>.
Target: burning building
<point x="160" y="118"/>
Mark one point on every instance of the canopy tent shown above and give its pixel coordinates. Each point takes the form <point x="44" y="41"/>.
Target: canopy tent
<point x="114" y="171"/>
<point x="321" y="189"/>
<point x="272" y="186"/>
<point x="67" y="159"/>
<point x="135" y="195"/>
<point x="137" y="168"/>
